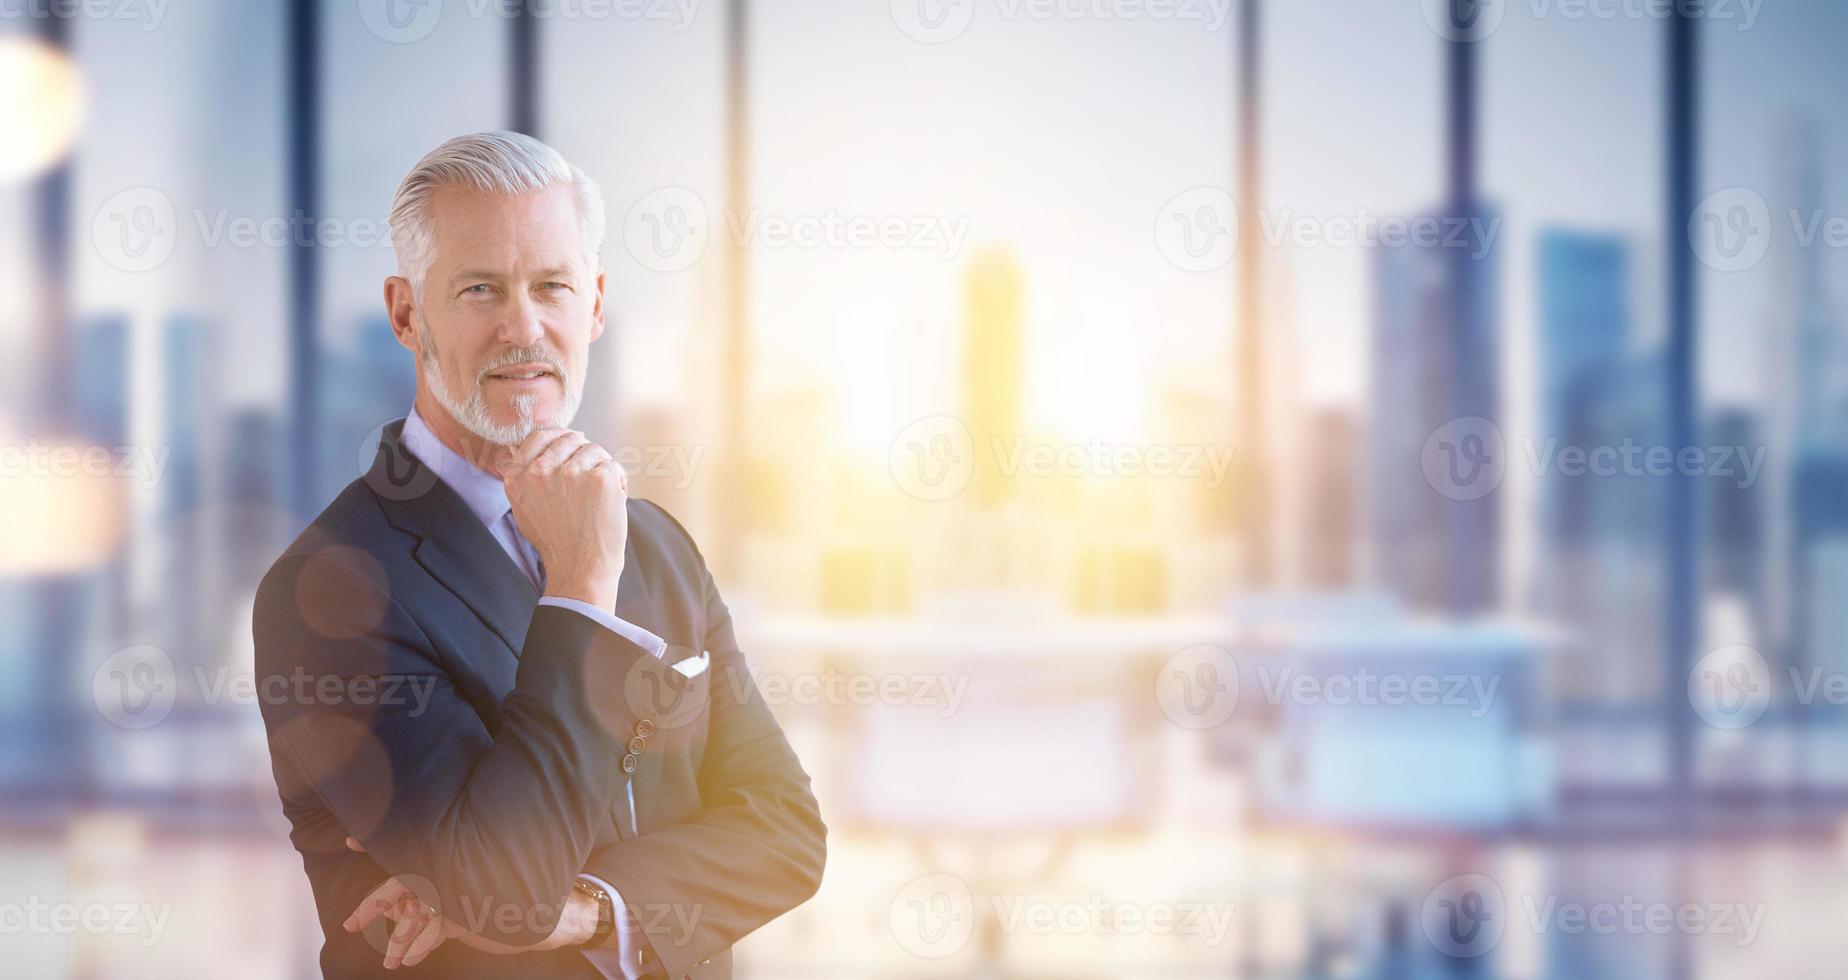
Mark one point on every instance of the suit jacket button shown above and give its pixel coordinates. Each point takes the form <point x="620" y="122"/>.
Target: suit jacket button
<point x="637" y="744"/>
<point x="628" y="763"/>
<point x="645" y="727"/>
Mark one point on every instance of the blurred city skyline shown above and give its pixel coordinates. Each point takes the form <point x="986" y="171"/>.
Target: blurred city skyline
<point x="929" y="321"/>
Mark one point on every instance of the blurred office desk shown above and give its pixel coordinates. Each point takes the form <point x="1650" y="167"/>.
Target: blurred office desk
<point x="996" y="761"/>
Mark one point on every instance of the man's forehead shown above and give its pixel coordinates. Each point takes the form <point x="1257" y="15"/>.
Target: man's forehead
<point x="539" y="228"/>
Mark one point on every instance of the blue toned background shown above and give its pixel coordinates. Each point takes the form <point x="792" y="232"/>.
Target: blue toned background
<point x="1220" y="488"/>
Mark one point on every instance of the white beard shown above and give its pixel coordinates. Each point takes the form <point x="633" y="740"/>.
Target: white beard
<point x="472" y="413"/>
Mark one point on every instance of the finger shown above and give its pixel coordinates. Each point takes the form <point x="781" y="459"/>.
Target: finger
<point x="382" y="899"/>
<point x="588" y="457"/>
<point x="615" y="470"/>
<point x="559" y="450"/>
<point x="353" y="844"/>
<point x="534" y="444"/>
<point x="429" y="939"/>
<point x="407" y="930"/>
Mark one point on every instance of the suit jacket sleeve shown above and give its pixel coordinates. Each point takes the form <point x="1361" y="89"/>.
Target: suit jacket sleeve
<point x="489" y="829"/>
<point x="757" y="846"/>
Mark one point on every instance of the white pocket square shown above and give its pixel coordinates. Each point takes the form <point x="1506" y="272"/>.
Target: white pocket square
<point x="693" y="666"/>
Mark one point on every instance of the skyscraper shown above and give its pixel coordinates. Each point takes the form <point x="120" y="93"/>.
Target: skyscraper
<point x="1584" y="325"/>
<point x="1328" y="516"/>
<point x="1432" y="365"/>
<point x="1735" y="515"/>
<point x="101" y="398"/>
<point x="183" y="530"/>
<point x="992" y="366"/>
<point x="1806" y="391"/>
<point x="1809" y="396"/>
<point x="368" y="384"/>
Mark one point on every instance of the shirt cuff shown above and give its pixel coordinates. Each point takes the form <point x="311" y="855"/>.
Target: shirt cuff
<point x="621" y="959"/>
<point x="604" y="618"/>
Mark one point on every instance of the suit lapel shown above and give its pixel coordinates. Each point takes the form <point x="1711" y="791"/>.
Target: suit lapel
<point x="453" y="545"/>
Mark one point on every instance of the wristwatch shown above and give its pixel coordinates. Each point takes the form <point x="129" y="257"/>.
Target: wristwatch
<point x="606" y="910"/>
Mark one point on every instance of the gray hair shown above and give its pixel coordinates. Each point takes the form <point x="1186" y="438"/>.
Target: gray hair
<point x="496" y="162"/>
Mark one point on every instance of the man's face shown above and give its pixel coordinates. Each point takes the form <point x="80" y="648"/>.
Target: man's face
<point x="508" y="309"/>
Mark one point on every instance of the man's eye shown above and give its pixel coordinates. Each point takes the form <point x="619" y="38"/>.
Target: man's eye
<point x="479" y="289"/>
<point x="553" y="285"/>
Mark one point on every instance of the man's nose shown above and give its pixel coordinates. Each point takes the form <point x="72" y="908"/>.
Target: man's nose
<point x="522" y="326"/>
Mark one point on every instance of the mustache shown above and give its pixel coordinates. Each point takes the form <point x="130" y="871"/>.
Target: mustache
<point x="533" y="354"/>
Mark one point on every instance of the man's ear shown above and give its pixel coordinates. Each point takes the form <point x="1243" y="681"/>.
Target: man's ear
<point x="596" y="308"/>
<point x="401" y="308"/>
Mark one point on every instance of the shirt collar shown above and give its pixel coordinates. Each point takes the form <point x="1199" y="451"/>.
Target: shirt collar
<point x="482" y="491"/>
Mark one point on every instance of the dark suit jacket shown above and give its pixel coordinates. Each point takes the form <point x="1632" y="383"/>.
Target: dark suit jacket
<point x="483" y="748"/>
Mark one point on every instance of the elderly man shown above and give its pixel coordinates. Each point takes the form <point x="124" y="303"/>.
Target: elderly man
<point x="541" y="754"/>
